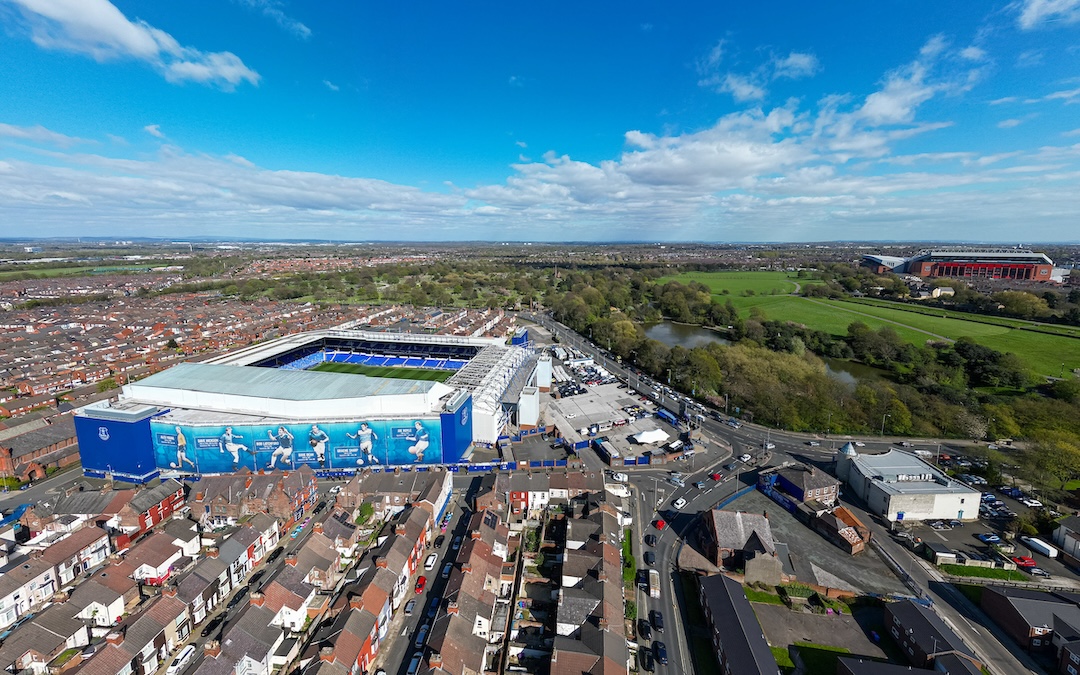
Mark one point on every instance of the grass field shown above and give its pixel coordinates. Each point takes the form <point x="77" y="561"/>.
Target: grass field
<point x="1045" y="353"/>
<point x="737" y="283"/>
<point x="984" y="573"/>
<point x="385" y="371"/>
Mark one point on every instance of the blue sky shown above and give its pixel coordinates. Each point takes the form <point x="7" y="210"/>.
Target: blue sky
<point x="549" y="122"/>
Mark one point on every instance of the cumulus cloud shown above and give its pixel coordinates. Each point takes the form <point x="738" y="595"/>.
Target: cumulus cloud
<point x="1038" y="13"/>
<point x="39" y="134"/>
<point x="100" y="30"/>
<point x="795" y="65"/>
<point x="797" y="171"/>
<point x="272" y="9"/>
<point x="741" y="88"/>
<point x="973" y="53"/>
<point x="1009" y="123"/>
<point x="154" y="130"/>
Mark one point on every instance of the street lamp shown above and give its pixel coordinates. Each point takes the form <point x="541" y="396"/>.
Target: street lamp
<point x="883" y="418"/>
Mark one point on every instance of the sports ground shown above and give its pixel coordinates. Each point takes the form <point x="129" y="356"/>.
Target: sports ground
<point x="1047" y="349"/>
<point x="385" y="371"/>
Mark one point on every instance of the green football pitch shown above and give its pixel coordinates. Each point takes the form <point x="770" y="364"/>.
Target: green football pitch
<point x="385" y="371"/>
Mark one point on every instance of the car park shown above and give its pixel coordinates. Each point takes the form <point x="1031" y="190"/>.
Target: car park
<point x="679" y="503"/>
<point x="409" y="607"/>
<point x="421" y="583"/>
<point x="988" y="538"/>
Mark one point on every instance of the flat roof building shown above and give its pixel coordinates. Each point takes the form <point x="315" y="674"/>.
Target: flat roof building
<point x="897" y="485"/>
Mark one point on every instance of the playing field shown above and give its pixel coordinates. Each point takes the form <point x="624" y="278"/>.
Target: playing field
<point x="385" y="371"/>
<point x="1043" y="352"/>
<point x="737" y="283"/>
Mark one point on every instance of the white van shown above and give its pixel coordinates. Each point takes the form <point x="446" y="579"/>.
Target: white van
<point x="181" y="660"/>
<point x="619" y="477"/>
<point x="432" y="559"/>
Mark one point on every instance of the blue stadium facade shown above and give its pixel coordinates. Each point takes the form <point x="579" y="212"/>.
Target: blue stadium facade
<point x="271" y="413"/>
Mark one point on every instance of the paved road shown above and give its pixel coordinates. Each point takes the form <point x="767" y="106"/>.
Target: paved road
<point x="653" y="496"/>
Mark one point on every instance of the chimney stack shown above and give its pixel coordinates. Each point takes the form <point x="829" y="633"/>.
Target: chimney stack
<point x="400" y="530"/>
<point x="114" y="639"/>
<point x="326" y="654"/>
<point x="247" y="482"/>
<point x="452" y="608"/>
<point x="356" y="602"/>
<point x="317" y="527"/>
<point x="380" y="561"/>
<point x="258" y="599"/>
<point x="168" y="591"/>
<point x="474" y="534"/>
<point x="212" y="649"/>
<point x="467" y="568"/>
<point x="603" y="624"/>
<point x="290" y="559"/>
<point x="212" y="552"/>
<point x="435" y="660"/>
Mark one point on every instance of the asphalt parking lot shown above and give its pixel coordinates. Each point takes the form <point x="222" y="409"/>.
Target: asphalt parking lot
<point x="815" y="559"/>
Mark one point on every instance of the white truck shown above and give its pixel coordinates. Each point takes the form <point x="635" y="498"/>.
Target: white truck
<point x="1040" y="546"/>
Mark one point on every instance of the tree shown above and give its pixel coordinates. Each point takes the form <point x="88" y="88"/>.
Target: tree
<point x="107" y="384"/>
<point x="366" y="512"/>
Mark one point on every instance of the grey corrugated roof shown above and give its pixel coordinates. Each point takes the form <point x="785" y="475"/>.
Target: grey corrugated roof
<point x="61" y="428"/>
<point x="292" y="385"/>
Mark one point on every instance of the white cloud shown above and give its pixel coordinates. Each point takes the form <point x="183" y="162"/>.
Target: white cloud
<point x="1009" y="123"/>
<point x="795" y="65"/>
<point x="973" y="53"/>
<point x="1036" y="13"/>
<point x="100" y="30"/>
<point x="521" y="144"/>
<point x="515" y="81"/>
<point x="39" y="134"/>
<point x="1073" y="132"/>
<point x="741" y="88"/>
<point x="154" y="130"/>
<point x="273" y="10"/>
<point x="1029" y="58"/>
<point x="331" y="86"/>
<point x="1004" y="100"/>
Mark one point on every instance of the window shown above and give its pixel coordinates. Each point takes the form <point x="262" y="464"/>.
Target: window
<point x="1071" y="670"/>
<point x="1036" y="642"/>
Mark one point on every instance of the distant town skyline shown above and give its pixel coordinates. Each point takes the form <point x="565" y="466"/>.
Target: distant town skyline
<point x="279" y="120"/>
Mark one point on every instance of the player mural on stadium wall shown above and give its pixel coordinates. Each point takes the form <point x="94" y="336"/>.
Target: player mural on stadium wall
<point x="337" y="445"/>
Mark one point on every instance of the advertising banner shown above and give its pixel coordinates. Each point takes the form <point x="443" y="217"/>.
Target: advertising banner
<point x="341" y="445"/>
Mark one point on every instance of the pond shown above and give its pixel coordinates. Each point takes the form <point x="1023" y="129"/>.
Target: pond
<point x="690" y="336"/>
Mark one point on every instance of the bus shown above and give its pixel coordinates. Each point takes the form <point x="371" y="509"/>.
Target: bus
<point x="654" y="584"/>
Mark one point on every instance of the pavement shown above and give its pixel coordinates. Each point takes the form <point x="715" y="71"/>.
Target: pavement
<point x="783" y="627"/>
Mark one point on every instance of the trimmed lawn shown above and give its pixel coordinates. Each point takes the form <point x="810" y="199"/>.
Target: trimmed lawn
<point x="783" y="659"/>
<point x="984" y="573"/>
<point x="738" y="282"/>
<point x="756" y="595"/>
<point x="820" y="659"/>
<point x="385" y="371"/>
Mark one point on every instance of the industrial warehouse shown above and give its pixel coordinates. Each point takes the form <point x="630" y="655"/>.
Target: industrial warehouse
<point x="305" y="400"/>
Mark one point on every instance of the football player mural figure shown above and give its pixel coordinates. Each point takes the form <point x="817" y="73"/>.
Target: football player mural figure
<point x="181" y="451"/>
<point x="317" y="439"/>
<point x="284" y="449"/>
<point x="365" y="434"/>
<point x="227" y="442"/>
<point x="420" y="440"/>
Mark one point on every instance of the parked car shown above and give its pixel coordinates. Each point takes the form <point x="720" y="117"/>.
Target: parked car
<point x="409" y="607"/>
<point x="988" y="538"/>
<point x="439" y="541"/>
<point x="414" y="664"/>
<point x="1038" y="572"/>
<point x="644" y="629"/>
<point x="679" y="503"/>
<point x="1024" y="561"/>
<point x="181" y="660"/>
<point x="716" y="476"/>
<point x="657" y="620"/>
<point x="650" y="558"/>
<point x="421" y="583"/>
<point x="421" y="636"/>
<point x="275" y="555"/>
<point x="236" y="599"/>
<point x="661" y="652"/>
<point x="650" y="540"/>
<point x="860" y="444"/>
<point x="215" y="623"/>
<point x="660" y="524"/>
<point x="431" y="561"/>
<point x="433" y="607"/>
<point x="744" y="458"/>
<point x="457" y="543"/>
<point x="446" y="570"/>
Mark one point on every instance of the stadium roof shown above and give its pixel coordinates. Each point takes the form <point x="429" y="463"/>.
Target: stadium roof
<point x="972" y="255"/>
<point x="889" y="261"/>
<point x="292" y="385"/>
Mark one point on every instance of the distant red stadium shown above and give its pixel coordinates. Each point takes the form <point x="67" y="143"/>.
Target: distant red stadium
<point x="1008" y="264"/>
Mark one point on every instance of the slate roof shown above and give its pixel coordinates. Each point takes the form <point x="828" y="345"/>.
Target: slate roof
<point x="69" y="546"/>
<point x="1037" y="608"/>
<point x="145" y="499"/>
<point x="927" y="628"/>
<point x="745" y="647"/>
<point x="60" y="428"/>
<point x="737" y="530"/>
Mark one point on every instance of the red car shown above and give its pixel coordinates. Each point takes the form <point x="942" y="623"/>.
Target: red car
<point x="716" y="476"/>
<point x="1023" y="561"/>
<point x="420" y="584"/>
<point x="660" y="524"/>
